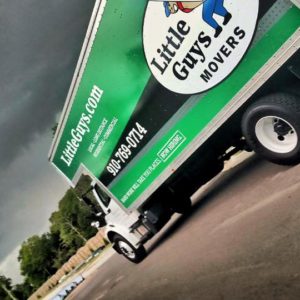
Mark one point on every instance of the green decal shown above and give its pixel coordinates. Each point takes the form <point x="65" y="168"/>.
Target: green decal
<point x="171" y="146"/>
<point x="131" y="186"/>
<point x="114" y="84"/>
<point x="111" y="85"/>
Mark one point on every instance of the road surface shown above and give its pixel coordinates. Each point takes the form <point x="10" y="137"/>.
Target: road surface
<point x="241" y="241"/>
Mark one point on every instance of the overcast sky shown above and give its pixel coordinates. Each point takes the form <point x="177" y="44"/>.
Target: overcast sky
<point x="39" y="46"/>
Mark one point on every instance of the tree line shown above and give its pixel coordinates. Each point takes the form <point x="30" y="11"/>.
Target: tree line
<point x="41" y="256"/>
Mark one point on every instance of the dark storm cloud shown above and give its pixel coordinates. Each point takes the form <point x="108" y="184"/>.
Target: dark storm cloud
<point x="40" y="42"/>
<point x="39" y="45"/>
<point x="29" y="192"/>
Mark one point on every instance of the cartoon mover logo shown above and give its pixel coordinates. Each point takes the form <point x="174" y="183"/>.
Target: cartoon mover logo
<point x="191" y="46"/>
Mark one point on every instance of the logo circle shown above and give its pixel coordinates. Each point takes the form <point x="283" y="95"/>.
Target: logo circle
<point x="190" y="47"/>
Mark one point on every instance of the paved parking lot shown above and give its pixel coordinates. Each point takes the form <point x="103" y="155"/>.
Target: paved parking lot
<point x="241" y="241"/>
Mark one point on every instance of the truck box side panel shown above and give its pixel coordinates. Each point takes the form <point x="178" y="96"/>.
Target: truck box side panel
<point x="128" y="130"/>
<point x="112" y="82"/>
<point x="152" y="165"/>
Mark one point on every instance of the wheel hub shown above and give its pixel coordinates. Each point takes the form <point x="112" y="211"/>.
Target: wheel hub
<point x="126" y="249"/>
<point x="281" y="127"/>
<point x="276" y="134"/>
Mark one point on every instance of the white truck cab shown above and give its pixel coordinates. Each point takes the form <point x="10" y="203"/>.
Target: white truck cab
<point x="120" y="229"/>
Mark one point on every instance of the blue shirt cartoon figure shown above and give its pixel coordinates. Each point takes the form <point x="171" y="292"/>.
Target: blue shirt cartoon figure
<point x="210" y="8"/>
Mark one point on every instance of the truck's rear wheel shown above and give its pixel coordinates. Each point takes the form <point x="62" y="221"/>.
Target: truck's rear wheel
<point x="271" y="127"/>
<point x="125" y="248"/>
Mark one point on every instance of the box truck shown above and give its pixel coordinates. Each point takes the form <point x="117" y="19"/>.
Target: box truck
<point x="164" y="92"/>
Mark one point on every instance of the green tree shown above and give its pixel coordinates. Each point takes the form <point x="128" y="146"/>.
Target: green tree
<point x="71" y="226"/>
<point x="54" y="128"/>
<point x="6" y="289"/>
<point x="84" y="184"/>
<point x="41" y="256"/>
<point x="72" y="221"/>
<point x="23" y="291"/>
<point x="36" y="257"/>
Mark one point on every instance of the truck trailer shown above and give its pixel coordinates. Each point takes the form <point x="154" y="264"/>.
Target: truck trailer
<point x="164" y="92"/>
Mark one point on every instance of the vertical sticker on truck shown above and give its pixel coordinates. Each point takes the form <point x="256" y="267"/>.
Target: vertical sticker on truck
<point x="197" y="44"/>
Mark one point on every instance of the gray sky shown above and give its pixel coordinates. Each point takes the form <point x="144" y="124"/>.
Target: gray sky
<point x="39" y="46"/>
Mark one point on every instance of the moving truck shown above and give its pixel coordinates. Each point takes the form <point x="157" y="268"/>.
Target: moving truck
<point x="164" y="92"/>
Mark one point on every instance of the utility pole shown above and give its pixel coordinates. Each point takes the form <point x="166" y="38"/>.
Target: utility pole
<point x="75" y="229"/>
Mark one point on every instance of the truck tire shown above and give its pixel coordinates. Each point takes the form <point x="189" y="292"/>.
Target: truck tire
<point x="135" y="255"/>
<point x="271" y="127"/>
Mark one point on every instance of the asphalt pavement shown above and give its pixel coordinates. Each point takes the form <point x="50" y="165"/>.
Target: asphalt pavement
<point x="241" y="241"/>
